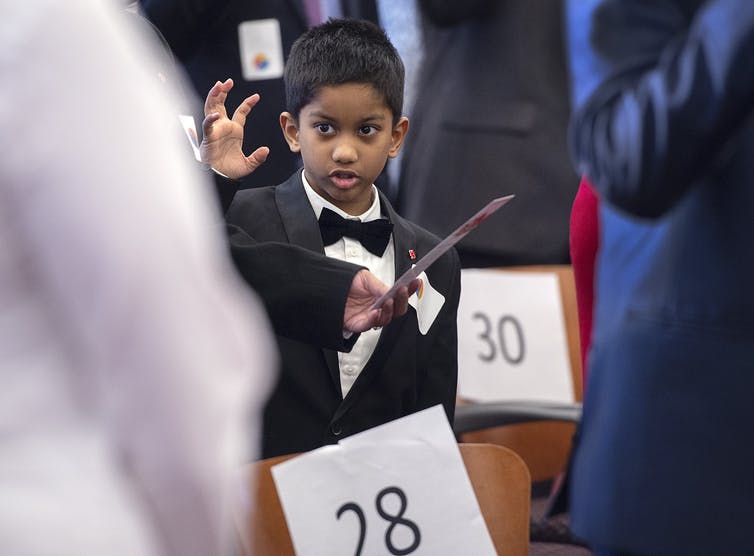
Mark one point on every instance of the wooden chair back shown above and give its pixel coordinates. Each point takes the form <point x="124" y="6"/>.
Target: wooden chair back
<point x="502" y="486"/>
<point x="545" y="445"/>
<point x="262" y="528"/>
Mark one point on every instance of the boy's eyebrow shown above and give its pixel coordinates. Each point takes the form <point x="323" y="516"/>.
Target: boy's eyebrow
<point x="326" y="116"/>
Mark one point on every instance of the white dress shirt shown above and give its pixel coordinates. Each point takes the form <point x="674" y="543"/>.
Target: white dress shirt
<point x="350" y="250"/>
<point x="130" y="354"/>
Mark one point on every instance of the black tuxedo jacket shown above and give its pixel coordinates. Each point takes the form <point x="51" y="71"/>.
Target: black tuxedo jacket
<point x="407" y="371"/>
<point x="203" y="34"/>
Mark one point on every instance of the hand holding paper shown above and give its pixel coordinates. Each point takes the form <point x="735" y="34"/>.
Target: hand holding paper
<point x="442" y="247"/>
<point x="359" y="315"/>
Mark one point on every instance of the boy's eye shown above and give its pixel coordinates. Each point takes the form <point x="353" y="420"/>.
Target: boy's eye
<point x="367" y="130"/>
<point x="323" y="128"/>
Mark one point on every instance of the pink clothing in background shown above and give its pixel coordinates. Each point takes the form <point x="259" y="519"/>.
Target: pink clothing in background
<point x="584" y="239"/>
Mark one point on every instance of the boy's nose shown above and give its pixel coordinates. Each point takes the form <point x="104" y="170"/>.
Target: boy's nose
<point x="344" y="152"/>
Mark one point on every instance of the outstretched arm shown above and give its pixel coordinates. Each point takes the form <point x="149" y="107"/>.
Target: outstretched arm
<point x="312" y="298"/>
<point x="222" y="141"/>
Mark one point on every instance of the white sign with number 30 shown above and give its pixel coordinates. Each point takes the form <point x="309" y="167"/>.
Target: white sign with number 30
<point x="511" y="337"/>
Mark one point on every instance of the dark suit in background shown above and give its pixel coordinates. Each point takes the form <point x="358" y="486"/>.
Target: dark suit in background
<point x="407" y="371"/>
<point x="490" y="119"/>
<point x="204" y="35"/>
<point x="664" y="127"/>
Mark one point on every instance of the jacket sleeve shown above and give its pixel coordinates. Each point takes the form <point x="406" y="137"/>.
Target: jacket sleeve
<point x="658" y="93"/>
<point x="304" y="292"/>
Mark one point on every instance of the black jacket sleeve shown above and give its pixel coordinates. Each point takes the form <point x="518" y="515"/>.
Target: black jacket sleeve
<point x="305" y="293"/>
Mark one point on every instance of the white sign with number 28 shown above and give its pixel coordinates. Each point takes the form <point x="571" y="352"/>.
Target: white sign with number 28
<point x="399" y="488"/>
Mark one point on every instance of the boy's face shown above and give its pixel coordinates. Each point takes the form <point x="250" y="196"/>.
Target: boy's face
<point x="345" y="135"/>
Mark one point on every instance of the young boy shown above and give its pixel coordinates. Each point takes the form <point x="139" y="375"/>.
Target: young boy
<point x="344" y="90"/>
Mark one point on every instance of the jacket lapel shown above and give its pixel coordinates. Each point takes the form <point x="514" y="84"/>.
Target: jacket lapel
<point x="302" y="229"/>
<point x="403" y="239"/>
<point x="297" y="215"/>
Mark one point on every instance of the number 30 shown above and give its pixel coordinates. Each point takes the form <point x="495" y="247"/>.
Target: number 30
<point x="505" y="322"/>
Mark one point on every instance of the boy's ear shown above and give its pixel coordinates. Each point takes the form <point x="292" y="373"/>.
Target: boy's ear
<point x="290" y="131"/>
<point x="399" y="134"/>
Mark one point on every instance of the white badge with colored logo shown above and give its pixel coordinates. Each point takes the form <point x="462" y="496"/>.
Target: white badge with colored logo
<point x="261" y="49"/>
<point x="427" y="301"/>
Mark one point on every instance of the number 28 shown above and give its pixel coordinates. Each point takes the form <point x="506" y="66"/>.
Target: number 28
<point x="393" y="520"/>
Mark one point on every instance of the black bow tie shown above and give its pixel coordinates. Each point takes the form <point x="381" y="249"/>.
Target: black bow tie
<point x="373" y="235"/>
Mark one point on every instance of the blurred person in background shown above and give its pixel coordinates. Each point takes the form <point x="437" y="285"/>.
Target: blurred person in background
<point x="663" y="126"/>
<point x="134" y="362"/>
<point x="490" y="118"/>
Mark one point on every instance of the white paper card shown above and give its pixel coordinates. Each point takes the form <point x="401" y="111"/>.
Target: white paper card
<point x="512" y="341"/>
<point x="261" y="49"/>
<point x="189" y="126"/>
<point x="399" y="488"/>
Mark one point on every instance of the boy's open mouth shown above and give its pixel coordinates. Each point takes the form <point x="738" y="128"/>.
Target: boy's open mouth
<point x="343" y="179"/>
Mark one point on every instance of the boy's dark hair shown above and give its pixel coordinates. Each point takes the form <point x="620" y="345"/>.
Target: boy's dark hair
<point x="343" y="51"/>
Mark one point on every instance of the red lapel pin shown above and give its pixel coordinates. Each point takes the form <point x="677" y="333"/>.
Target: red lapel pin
<point x="411" y="254"/>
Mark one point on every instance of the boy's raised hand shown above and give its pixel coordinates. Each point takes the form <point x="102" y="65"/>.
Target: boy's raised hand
<point x="222" y="141"/>
<point x="366" y="288"/>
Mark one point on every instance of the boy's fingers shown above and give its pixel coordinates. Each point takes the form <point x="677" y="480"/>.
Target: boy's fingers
<point x="257" y="158"/>
<point x="400" y="302"/>
<point x="386" y="313"/>
<point x="413" y="286"/>
<point x="239" y="116"/>
<point x="208" y="122"/>
<point x="215" y="101"/>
